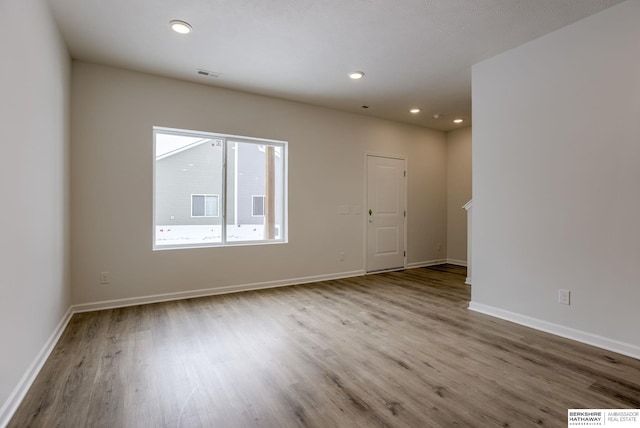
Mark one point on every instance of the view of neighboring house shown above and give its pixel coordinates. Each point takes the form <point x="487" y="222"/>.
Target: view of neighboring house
<point x="190" y="184"/>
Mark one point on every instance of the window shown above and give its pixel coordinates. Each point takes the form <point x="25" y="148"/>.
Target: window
<point x="258" y="206"/>
<point x="216" y="189"/>
<point x="205" y="206"/>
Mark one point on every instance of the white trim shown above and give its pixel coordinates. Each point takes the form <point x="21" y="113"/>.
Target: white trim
<point x="428" y="263"/>
<point x="406" y="210"/>
<point x="623" y="348"/>
<point x="235" y="188"/>
<point x="457" y="262"/>
<point x="213" y="135"/>
<point x="10" y="406"/>
<point x="468" y="280"/>
<point x="468" y="205"/>
<point x="156" y="298"/>
<point x="15" y="398"/>
<point x="365" y="213"/>
<point x="385" y="155"/>
<point x="218" y="245"/>
<point x="17" y="395"/>
<point x="395" y="269"/>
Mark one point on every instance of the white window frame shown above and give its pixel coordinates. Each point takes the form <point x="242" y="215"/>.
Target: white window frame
<point x="206" y="195"/>
<point x="222" y="198"/>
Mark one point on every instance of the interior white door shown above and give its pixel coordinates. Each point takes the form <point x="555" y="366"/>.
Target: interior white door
<point x="386" y="213"/>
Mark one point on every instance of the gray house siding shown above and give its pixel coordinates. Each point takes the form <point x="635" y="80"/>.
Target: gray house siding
<point x="192" y="171"/>
<point x="251" y="181"/>
<point x="196" y="170"/>
<point x="251" y="171"/>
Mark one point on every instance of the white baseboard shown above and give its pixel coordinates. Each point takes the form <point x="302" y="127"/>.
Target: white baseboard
<point x="17" y="395"/>
<point x="436" y="262"/>
<point x="11" y="405"/>
<point x="415" y="265"/>
<point x="627" y="349"/>
<point x="156" y="298"/>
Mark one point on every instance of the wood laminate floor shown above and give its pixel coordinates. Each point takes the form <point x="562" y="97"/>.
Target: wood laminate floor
<point x="396" y="349"/>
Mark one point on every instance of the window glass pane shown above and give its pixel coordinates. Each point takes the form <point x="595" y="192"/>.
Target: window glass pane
<point x="258" y="206"/>
<point x="200" y="176"/>
<point x="197" y="205"/>
<point x="254" y="169"/>
<point x="212" y="205"/>
<point x="187" y="168"/>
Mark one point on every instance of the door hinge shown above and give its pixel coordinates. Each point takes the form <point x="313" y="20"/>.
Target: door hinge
<point x="405" y="173"/>
<point x="405" y="254"/>
<point x="405" y="213"/>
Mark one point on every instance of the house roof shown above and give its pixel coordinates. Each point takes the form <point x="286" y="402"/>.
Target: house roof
<point x="168" y="145"/>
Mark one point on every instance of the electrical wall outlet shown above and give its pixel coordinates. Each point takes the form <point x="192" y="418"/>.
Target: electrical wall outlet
<point x="564" y="297"/>
<point x="105" y="278"/>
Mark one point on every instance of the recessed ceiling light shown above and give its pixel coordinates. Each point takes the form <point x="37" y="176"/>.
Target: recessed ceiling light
<point x="414" y="110"/>
<point x="355" y="75"/>
<point x="458" y="120"/>
<point x="181" y="27"/>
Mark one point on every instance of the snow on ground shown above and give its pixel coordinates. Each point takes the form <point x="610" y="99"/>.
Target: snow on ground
<point x="185" y="235"/>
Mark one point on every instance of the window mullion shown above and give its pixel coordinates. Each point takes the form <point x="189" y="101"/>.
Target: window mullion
<point x="223" y="218"/>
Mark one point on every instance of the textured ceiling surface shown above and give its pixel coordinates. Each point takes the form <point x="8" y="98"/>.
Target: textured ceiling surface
<point x="415" y="53"/>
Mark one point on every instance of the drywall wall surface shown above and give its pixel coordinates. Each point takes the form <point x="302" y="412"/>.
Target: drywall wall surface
<point x="113" y="112"/>
<point x="555" y="178"/>
<point x="34" y="83"/>
<point x="458" y="192"/>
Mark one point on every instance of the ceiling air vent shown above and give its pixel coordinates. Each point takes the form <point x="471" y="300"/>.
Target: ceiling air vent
<point x="207" y="73"/>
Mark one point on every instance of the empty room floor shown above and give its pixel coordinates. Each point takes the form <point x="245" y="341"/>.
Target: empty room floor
<point x="396" y="349"/>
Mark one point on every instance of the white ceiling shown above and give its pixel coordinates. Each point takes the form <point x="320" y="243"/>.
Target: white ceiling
<point x="415" y="53"/>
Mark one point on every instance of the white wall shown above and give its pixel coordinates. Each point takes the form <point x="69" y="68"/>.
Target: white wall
<point x="34" y="290"/>
<point x="556" y="180"/>
<point x="458" y="192"/>
<point x="113" y="112"/>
